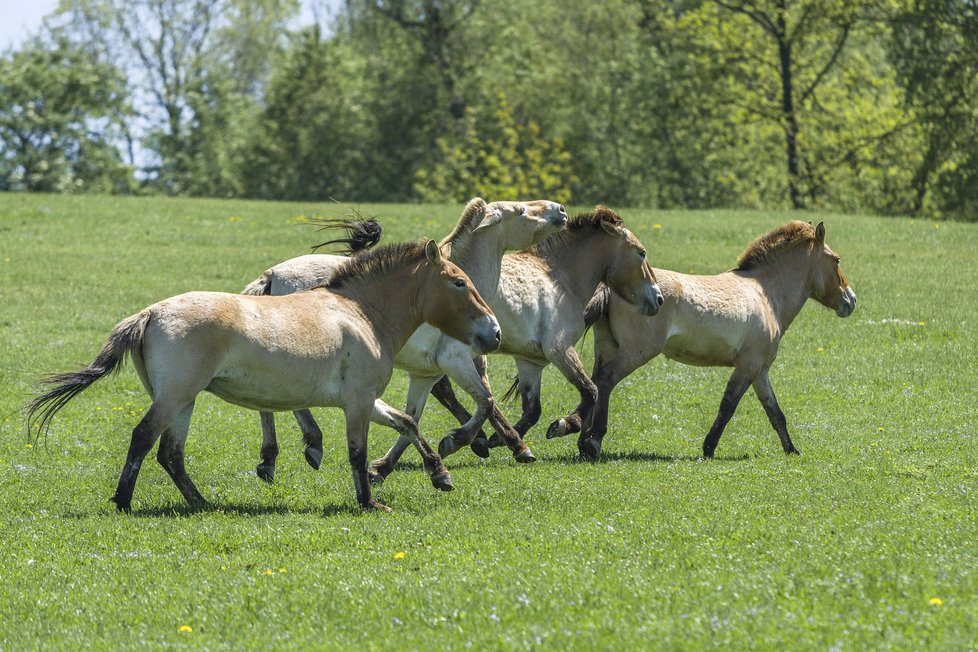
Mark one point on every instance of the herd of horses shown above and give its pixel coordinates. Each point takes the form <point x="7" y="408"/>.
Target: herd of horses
<point x="518" y="278"/>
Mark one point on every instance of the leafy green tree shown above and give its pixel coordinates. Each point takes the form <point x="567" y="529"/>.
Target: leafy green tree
<point x="935" y="51"/>
<point x="59" y="121"/>
<point x="498" y="156"/>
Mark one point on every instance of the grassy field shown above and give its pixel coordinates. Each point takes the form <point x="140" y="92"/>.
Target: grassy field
<point x="865" y="541"/>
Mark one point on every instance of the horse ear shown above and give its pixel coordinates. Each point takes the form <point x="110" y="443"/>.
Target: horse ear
<point x="433" y="252"/>
<point x="611" y="229"/>
<point x="820" y="233"/>
<point x="493" y="215"/>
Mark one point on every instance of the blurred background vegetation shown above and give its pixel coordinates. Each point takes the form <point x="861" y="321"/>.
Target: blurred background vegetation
<point x="864" y="106"/>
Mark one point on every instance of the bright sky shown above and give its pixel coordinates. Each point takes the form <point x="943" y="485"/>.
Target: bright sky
<point x="19" y="18"/>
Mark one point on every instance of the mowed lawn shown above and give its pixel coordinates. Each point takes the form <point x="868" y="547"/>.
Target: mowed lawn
<point x="867" y="540"/>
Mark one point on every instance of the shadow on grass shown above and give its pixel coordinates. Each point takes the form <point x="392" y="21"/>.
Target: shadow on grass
<point x="604" y="458"/>
<point x="233" y="509"/>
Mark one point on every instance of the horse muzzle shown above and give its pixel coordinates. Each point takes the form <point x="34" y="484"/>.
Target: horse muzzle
<point x="487" y="337"/>
<point x="847" y="303"/>
<point x="652" y="302"/>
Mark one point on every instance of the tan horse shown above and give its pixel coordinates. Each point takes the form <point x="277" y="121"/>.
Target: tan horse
<point x="540" y="307"/>
<point x="735" y="319"/>
<point x="484" y="232"/>
<point x="325" y="347"/>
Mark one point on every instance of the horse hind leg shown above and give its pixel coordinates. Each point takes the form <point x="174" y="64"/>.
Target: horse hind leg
<point x="765" y="394"/>
<point x="171" y="455"/>
<point x="312" y="437"/>
<point x="144" y="435"/>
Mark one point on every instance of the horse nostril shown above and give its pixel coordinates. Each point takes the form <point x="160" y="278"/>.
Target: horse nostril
<point x="660" y="300"/>
<point x="499" y="336"/>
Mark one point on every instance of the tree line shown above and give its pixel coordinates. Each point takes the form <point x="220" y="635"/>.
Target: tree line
<point x="858" y="106"/>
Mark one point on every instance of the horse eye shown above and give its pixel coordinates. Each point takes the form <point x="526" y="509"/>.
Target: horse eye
<point x="460" y="283"/>
<point x="642" y="254"/>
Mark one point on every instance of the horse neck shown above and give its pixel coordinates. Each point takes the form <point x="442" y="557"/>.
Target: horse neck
<point x="392" y="305"/>
<point x="578" y="262"/>
<point x="786" y="289"/>
<point x="480" y="255"/>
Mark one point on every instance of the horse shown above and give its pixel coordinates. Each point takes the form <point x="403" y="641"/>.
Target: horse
<point x="540" y="304"/>
<point x="484" y="232"/>
<point x="329" y="346"/>
<point x="735" y="319"/>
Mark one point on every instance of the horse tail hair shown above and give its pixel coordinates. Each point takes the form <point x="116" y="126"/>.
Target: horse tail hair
<point x="510" y="394"/>
<point x="597" y="307"/>
<point x="125" y="338"/>
<point x="361" y="234"/>
<point x="260" y="286"/>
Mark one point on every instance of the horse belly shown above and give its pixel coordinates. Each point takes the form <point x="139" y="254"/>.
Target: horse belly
<point x="713" y="345"/>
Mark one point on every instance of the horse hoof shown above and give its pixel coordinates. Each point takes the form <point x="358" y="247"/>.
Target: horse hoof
<point x="120" y="505"/>
<point x="442" y="481"/>
<point x="446" y="447"/>
<point x="496" y="440"/>
<point x="266" y="472"/>
<point x="480" y="446"/>
<point x="524" y="456"/>
<point x="590" y="449"/>
<point x="373" y="505"/>
<point x="793" y="451"/>
<point x="314" y="456"/>
<point x="557" y="429"/>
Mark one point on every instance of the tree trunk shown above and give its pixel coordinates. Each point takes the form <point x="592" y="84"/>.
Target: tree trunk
<point x="789" y="121"/>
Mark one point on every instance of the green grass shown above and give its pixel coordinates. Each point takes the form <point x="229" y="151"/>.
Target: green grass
<point x="844" y="547"/>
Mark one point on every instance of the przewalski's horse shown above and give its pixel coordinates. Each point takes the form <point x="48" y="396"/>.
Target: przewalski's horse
<point x="540" y="307"/>
<point x="482" y="235"/>
<point x="325" y="347"/>
<point x="735" y="319"/>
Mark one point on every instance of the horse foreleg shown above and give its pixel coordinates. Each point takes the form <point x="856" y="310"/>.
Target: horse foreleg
<point x="269" y="447"/>
<point x="357" y="425"/>
<point x="606" y="376"/>
<point x="445" y="394"/>
<point x="569" y="364"/>
<point x="528" y="378"/>
<point x="144" y="435"/>
<point x="171" y="455"/>
<point x="383" y="414"/>
<point x="762" y="387"/>
<point x="417" y="397"/>
<point x="312" y="437"/>
<point x="736" y="386"/>
<point x="511" y="438"/>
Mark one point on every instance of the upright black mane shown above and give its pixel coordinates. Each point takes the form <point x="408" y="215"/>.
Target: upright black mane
<point x="376" y="263"/>
<point x="581" y="225"/>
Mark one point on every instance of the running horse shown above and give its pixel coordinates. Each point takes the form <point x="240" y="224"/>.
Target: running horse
<point x="540" y="307"/>
<point x="735" y="319"/>
<point x="329" y="346"/>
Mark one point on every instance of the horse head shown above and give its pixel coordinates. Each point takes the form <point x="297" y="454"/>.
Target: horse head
<point x="524" y="223"/>
<point x="828" y="283"/>
<point x="451" y="304"/>
<point x="629" y="274"/>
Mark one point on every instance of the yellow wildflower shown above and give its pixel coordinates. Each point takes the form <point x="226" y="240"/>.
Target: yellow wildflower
<point x="400" y="555"/>
<point x="936" y="602"/>
<point x="186" y="628"/>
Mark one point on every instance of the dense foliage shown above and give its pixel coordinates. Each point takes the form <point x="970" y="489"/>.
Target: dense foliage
<point x="863" y="106"/>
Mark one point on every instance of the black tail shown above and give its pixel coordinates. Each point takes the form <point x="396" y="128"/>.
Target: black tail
<point x="597" y="307"/>
<point x="125" y="337"/>
<point x="510" y="394"/>
<point x="361" y="234"/>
